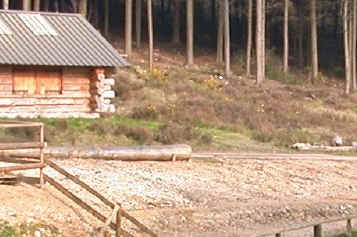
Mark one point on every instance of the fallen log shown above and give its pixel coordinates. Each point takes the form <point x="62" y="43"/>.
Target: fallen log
<point x="309" y="147"/>
<point x="126" y="153"/>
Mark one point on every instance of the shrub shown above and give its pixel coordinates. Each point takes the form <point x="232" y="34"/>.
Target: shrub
<point x="171" y="133"/>
<point x="145" y="112"/>
<point x="101" y="127"/>
<point x="139" y="134"/>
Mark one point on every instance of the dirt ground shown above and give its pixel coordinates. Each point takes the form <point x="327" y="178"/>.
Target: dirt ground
<point x="203" y="197"/>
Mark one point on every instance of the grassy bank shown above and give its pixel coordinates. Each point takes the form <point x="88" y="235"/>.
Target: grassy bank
<point x="200" y="107"/>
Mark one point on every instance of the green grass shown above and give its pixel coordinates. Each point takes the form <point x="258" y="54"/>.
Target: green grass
<point x="354" y="234"/>
<point x="25" y="229"/>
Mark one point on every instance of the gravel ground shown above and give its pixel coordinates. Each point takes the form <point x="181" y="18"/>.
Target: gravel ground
<point x="216" y="197"/>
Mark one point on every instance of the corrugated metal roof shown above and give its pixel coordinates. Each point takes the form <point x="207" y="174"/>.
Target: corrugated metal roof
<point x="73" y="42"/>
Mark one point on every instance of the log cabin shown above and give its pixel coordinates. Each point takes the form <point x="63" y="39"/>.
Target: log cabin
<point x="54" y="65"/>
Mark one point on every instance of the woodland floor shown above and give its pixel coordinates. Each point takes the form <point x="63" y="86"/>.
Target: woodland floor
<point x="203" y="197"/>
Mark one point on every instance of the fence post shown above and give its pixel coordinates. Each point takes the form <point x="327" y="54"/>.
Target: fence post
<point x="349" y="228"/>
<point x="118" y="223"/>
<point x="42" y="141"/>
<point x="318" y="230"/>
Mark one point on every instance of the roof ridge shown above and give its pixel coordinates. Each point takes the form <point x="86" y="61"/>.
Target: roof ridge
<point x="2" y="11"/>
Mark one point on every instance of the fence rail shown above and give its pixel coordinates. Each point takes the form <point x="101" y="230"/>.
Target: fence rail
<point x="119" y="215"/>
<point x="317" y="227"/>
<point x="40" y="144"/>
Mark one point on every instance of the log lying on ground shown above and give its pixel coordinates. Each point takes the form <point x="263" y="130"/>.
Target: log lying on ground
<point x="309" y="147"/>
<point x="128" y="153"/>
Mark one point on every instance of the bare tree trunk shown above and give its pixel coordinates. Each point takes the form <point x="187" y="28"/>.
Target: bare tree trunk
<point x="177" y="23"/>
<point x="138" y="22"/>
<point x="128" y="27"/>
<point x="106" y="18"/>
<point x="301" y="40"/>
<point x="259" y="42"/>
<point x="189" y="43"/>
<point x="249" y="39"/>
<point x="227" y="38"/>
<point x="26" y="5"/>
<point x="46" y="5"/>
<point x="314" y="52"/>
<point x="220" y="32"/>
<point x="5" y="4"/>
<point x="36" y="5"/>
<point x="94" y="15"/>
<point x="347" y="48"/>
<point x="151" y="34"/>
<point x="83" y="8"/>
<point x="354" y="44"/>
<point x="286" y="36"/>
<point x="263" y="37"/>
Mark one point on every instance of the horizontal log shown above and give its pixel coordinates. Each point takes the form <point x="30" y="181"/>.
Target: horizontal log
<point x="76" y="93"/>
<point x="135" y="153"/>
<point x="108" y="94"/>
<point x="76" y="81"/>
<point x="309" y="147"/>
<point x="5" y="79"/>
<point x="42" y="101"/>
<point x="53" y="114"/>
<point x="109" y="81"/>
<point x="22" y="167"/>
<point x="75" y="87"/>
<point x="5" y="87"/>
<point x="44" y="108"/>
<point x="23" y="145"/>
<point x="6" y="93"/>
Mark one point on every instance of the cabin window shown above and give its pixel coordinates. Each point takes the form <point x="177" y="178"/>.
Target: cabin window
<point x="37" y="82"/>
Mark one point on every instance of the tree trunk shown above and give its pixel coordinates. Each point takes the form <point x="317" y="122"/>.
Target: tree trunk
<point x="151" y="34"/>
<point x="176" y="24"/>
<point x="347" y="48"/>
<point x="259" y="42"/>
<point x="26" y="5"/>
<point x="83" y="8"/>
<point x="301" y="40"/>
<point x="213" y="16"/>
<point x="354" y="44"/>
<point x="189" y="40"/>
<point x="249" y="38"/>
<point x="138" y="22"/>
<point x="106" y="18"/>
<point x="46" y="5"/>
<point x="5" y="4"/>
<point x="36" y="5"/>
<point x="314" y="52"/>
<point x="227" y="38"/>
<point x="220" y="32"/>
<point x="263" y="38"/>
<point x="286" y="36"/>
<point x="128" y="27"/>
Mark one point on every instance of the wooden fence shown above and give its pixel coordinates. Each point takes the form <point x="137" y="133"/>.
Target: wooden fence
<point x="40" y="144"/>
<point x="317" y="227"/>
<point x="120" y="213"/>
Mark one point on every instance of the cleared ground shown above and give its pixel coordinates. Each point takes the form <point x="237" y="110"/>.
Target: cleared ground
<point x="203" y="197"/>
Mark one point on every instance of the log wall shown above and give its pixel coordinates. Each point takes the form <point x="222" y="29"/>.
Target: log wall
<point x="75" y="100"/>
